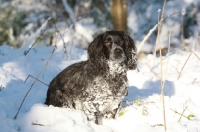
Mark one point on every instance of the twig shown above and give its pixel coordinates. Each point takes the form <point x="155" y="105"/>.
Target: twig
<point x="26" y="52"/>
<point x="152" y="70"/>
<point x="157" y="125"/>
<point x="36" y="124"/>
<point x="64" y="45"/>
<point x="146" y="37"/>
<point x="42" y="32"/>
<point x="193" y="81"/>
<point x="184" y="66"/>
<point x="196" y="55"/>
<point x="179" y="113"/>
<point x="183" y="110"/>
<point x="36" y="79"/>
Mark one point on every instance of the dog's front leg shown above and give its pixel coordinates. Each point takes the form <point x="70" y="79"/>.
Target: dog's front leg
<point x="91" y="112"/>
<point x="113" y="113"/>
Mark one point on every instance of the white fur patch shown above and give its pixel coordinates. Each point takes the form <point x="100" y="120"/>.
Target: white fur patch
<point x="116" y="68"/>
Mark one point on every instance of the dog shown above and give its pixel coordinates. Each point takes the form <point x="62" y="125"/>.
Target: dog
<point x="98" y="85"/>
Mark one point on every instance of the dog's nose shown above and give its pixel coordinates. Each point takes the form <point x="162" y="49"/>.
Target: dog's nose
<point x="118" y="51"/>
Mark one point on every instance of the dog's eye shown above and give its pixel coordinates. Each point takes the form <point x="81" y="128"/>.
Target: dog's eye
<point x="108" y="43"/>
<point x="121" y="42"/>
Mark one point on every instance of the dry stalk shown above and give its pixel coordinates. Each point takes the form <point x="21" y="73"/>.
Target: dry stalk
<point x="167" y="60"/>
<point x="152" y="71"/>
<point x="159" y="30"/>
<point x="196" y="55"/>
<point x="184" y="108"/>
<point x="161" y="73"/>
<point x="180" y="113"/>
<point x="184" y="65"/>
<point x="159" y="25"/>
<point x="162" y="93"/>
<point x="193" y="81"/>
<point x="157" y="125"/>
<point x="35" y="80"/>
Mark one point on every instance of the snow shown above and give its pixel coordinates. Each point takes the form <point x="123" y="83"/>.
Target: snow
<point x="142" y="112"/>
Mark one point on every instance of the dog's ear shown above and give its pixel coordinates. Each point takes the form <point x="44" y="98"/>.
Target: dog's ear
<point x="95" y="49"/>
<point x="96" y="55"/>
<point x="131" y="52"/>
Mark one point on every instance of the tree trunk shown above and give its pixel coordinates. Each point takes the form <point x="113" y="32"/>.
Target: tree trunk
<point x="119" y="16"/>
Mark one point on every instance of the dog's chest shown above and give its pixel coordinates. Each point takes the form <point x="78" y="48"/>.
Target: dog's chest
<point x="107" y="94"/>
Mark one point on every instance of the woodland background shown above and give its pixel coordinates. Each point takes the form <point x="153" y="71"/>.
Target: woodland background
<point x="20" y="19"/>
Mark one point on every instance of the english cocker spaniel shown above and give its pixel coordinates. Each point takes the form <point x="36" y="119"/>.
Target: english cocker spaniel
<point x="98" y="85"/>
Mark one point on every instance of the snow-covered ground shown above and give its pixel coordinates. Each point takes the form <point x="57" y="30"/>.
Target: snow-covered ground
<point x="142" y="113"/>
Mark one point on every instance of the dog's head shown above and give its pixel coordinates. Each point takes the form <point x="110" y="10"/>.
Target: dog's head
<point x="115" y="46"/>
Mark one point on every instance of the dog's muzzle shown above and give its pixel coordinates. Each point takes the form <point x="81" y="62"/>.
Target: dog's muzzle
<point x="118" y="53"/>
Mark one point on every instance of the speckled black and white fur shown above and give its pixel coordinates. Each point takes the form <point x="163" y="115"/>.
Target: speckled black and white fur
<point x="98" y="85"/>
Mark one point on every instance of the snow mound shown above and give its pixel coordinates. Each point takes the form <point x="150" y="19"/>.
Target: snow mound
<point x="42" y="118"/>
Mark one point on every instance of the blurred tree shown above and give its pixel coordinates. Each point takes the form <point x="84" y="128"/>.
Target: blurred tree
<point x="119" y="16"/>
<point x="191" y="20"/>
<point x="11" y="23"/>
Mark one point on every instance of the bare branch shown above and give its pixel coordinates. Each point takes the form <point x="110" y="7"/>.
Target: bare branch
<point x="41" y="31"/>
<point x="146" y="37"/>
<point x="36" y="79"/>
